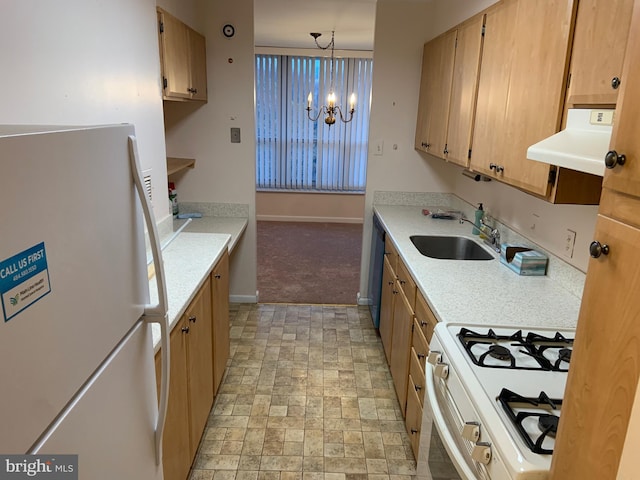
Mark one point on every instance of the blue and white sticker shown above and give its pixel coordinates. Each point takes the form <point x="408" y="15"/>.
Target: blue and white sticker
<point x="24" y="279"/>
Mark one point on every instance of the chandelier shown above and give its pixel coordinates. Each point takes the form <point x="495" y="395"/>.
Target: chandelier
<point x="331" y="110"/>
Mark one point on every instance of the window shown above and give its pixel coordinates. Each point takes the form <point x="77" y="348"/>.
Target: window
<point x="294" y="153"/>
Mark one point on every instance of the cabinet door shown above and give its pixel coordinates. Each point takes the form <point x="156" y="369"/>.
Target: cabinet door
<point x="220" y="286"/>
<point x="401" y="346"/>
<point x="176" y="456"/>
<point x="197" y="65"/>
<point x="198" y="319"/>
<point x="174" y="43"/>
<point x="625" y="139"/>
<point x="387" y="299"/>
<point x="604" y="372"/>
<point x="464" y="90"/>
<point x="435" y="94"/>
<point x="599" y="43"/>
<point x="521" y="89"/>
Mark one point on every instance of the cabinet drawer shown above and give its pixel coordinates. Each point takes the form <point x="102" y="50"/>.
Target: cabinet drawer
<point x="407" y="284"/>
<point x="413" y="420"/>
<point x="391" y="253"/>
<point x="420" y="344"/>
<point x="416" y="372"/>
<point x="425" y="317"/>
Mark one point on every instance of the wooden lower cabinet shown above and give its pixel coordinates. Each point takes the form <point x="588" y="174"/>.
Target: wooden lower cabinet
<point x="387" y="299"/>
<point x="176" y="452"/>
<point x="221" y="345"/>
<point x="401" y="346"/>
<point x="199" y="353"/>
<point x="413" y="418"/>
<point x="200" y="367"/>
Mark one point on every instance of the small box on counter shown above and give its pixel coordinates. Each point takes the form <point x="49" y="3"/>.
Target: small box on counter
<point x="523" y="260"/>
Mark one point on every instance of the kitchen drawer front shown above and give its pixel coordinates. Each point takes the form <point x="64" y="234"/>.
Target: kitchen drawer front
<point x="420" y="344"/>
<point x="391" y="253"/>
<point x="413" y="419"/>
<point x="407" y="284"/>
<point x="425" y="317"/>
<point x="416" y="373"/>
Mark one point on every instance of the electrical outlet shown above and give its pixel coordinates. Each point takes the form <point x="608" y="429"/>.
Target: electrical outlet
<point x="569" y="242"/>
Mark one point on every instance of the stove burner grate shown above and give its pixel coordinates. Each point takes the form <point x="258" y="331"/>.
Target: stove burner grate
<point x="537" y="407"/>
<point x="533" y="345"/>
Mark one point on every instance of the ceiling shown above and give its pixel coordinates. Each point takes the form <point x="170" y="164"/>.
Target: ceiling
<point x="287" y="23"/>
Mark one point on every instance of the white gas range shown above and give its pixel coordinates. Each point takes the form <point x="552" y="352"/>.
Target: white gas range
<point x="494" y="394"/>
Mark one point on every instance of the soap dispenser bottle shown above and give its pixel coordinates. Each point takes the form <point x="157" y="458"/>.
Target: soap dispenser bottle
<point x="478" y="222"/>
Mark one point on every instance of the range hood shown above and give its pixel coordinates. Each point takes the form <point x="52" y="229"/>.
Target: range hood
<point x="581" y="146"/>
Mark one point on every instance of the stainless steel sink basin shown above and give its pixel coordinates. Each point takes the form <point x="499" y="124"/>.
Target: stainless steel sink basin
<point x="449" y="248"/>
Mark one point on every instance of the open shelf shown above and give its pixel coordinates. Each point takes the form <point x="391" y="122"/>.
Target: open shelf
<point x="175" y="165"/>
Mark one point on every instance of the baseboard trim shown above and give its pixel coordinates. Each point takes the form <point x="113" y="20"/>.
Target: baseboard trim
<point x="243" y="298"/>
<point x="294" y="218"/>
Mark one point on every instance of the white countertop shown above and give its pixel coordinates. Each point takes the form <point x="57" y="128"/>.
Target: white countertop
<point x="475" y="291"/>
<point x="190" y="258"/>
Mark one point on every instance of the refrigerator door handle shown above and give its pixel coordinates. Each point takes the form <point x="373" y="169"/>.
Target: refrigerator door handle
<point x="154" y="313"/>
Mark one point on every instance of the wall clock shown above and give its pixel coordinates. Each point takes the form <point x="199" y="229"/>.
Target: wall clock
<point x="228" y="30"/>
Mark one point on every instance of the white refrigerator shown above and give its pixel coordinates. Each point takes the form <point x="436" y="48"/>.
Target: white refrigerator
<point x="77" y="370"/>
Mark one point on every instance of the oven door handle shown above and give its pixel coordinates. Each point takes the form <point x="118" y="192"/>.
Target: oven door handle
<point x="456" y="456"/>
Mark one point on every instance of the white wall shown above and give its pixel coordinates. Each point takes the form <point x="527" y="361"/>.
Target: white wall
<point x="224" y="171"/>
<point x="402" y="28"/>
<point x="86" y="62"/>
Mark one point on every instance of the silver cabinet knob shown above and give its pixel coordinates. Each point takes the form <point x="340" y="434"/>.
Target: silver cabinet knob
<point x="441" y="370"/>
<point x="471" y="431"/>
<point x="481" y="452"/>
<point x="434" y="357"/>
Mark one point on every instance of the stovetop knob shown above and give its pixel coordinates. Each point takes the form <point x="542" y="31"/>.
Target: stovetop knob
<point x="482" y="452"/>
<point x="441" y="370"/>
<point x="471" y="431"/>
<point x="434" y="357"/>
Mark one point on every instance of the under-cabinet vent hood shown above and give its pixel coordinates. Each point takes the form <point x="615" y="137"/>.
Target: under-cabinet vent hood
<point x="581" y="146"/>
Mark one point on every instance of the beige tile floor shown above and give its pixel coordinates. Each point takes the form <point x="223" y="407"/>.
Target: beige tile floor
<point x="307" y="396"/>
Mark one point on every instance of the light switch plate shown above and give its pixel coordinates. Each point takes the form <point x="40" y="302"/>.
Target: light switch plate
<point x="235" y="135"/>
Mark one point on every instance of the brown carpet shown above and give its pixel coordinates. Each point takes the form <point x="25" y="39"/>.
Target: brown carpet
<point x="308" y="262"/>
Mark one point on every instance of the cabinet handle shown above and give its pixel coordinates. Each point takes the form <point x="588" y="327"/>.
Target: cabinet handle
<point x="615" y="83"/>
<point x="402" y="282"/>
<point x="421" y="356"/>
<point x="193" y="319"/>
<point x="185" y="329"/>
<point x="426" y="145"/>
<point x="413" y="431"/>
<point x="192" y="90"/>
<point x="596" y="249"/>
<point x="497" y="168"/>
<point x="423" y="323"/>
<point x="611" y="159"/>
<point x="417" y="387"/>
<point x="445" y="151"/>
<point x="217" y="276"/>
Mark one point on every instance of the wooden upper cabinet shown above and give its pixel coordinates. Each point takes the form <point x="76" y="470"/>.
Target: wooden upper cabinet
<point x="198" y="59"/>
<point x="464" y="90"/>
<point x="625" y="139"/>
<point x="435" y="94"/>
<point x="521" y="89"/>
<point x="600" y="35"/>
<point x="182" y="58"/>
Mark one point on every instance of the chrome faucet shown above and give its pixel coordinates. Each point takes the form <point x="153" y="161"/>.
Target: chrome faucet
<point x="491" y="234"/>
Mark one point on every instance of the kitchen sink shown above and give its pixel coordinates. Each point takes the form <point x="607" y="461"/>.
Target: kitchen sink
<point x="450" y="247"/>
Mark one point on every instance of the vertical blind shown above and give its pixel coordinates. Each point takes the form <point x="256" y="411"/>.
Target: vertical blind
<point x="294" y="153"/>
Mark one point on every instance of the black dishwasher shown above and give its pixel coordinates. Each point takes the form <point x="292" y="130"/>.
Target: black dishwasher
<point x="376" y="262"/>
